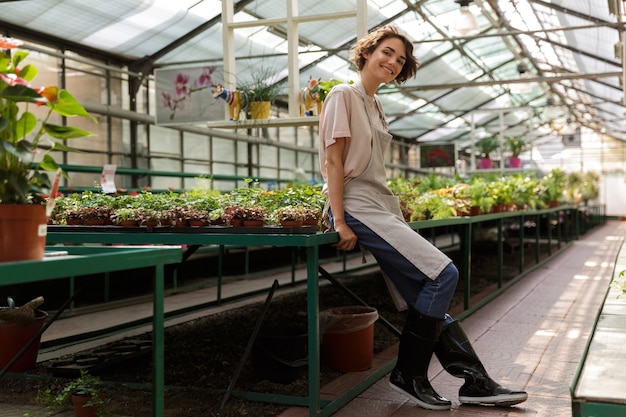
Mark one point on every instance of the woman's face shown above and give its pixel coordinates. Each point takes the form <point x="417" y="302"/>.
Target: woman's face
<point x="387" y="60"/>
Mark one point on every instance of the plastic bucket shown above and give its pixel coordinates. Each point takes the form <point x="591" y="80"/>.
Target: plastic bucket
<point x="348" y="338"/>
<point x="14" y="336"/>
<point x="279" y="354"/>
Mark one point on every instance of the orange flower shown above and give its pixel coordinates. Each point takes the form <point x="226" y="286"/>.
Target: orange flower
<point x="49" y="94"/>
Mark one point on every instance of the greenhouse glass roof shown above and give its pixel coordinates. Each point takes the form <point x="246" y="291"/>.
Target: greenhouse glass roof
<point x="536" y="68"/>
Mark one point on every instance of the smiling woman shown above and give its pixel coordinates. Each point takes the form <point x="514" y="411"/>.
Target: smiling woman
<point x="362" y="209"/>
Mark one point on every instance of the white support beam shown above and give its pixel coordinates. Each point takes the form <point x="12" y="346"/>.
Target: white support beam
<point x="293" y="41"/>
<point x="228" y="44"/>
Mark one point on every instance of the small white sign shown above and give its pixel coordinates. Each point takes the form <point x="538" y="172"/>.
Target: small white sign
<point x="107" y="180"/>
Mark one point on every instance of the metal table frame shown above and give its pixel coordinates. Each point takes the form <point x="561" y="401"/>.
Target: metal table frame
<point x="309" y="244"/>
<point x="92" y="260"/>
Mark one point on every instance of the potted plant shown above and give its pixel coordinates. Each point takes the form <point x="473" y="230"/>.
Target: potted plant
<point x="481" y="200"/>
<point x="23" y="181"/>
<point x="126" y="216"/>
<point x="84" y="393"/>
<point x="551" y="187"/>
<point x="289" y="216"/>
<point x="516" y="146"/>
<point x="487" y="145"/>
<point x="254" y="215"/>
<point x="261" y="92"/>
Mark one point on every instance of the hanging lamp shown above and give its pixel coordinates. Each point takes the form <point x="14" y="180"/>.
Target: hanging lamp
<point x="522" y="88"/>
<point x="465" y="24"/>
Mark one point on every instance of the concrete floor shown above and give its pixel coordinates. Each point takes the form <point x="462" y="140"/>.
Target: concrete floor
<point x="531" y="337"/>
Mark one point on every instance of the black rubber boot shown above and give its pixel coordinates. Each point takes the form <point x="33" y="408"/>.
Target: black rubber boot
<point x="410" y="375"/>
<point x="457" y="356"/>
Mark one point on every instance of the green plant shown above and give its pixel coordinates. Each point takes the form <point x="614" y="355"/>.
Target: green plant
<point x="479" y="196"/>
<point x="552" y="186"/>
<point x="516" y="145"/>
<point x="22" y="179"/>
<point x="255" y="213"/>
<point x="125" y="214"/>
<point x="288" y="213"/>
<point x="85" y="385"/>
<point x="487" y="145"/>
<point x="324" y="87"/>
<point x="620" y="284"/>
<point x="263" y="86"/>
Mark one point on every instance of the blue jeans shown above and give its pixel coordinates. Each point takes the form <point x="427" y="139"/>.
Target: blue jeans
<point x="430" y="297"/>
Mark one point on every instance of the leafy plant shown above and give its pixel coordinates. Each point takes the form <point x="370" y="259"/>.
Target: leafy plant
<point x="324" y="87"/>
<point x="288" y="213"/>
<point x="620" y="284"/>
<point x="487" y="145"/>
<point x="516" y="145"/>
<point x="263" y="86"/>
<point x="85" y="385"/>
<point x="552" y="186"/>
<point x="479" y="196"/>
<point x="21" y="132"/>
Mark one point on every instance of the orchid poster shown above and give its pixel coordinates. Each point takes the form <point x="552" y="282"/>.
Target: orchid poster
<point x="184" y="95"/>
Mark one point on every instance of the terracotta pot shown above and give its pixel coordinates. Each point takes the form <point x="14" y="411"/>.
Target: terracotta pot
<point x="23" y="229"/>
<point x="310" y="222"/>
<point x="198" y="222"/>
<point x="475" y="211"/>
<point x="253" y="223"/>
<point x="128" y="223"/>
<point x="498" y="208"/>
<point x="181" y="223"/>
<point x="14" y="337"/>
<point x="150" y="223"/>
<point x="79" y="407"/>
<point x="348" y="338"/>
<point x="291" y="223"/>
<point x="236" y="222"/>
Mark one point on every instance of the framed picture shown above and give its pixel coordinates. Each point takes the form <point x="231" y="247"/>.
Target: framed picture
<point x="437" y="155"/>
<point x="185" y="95"/>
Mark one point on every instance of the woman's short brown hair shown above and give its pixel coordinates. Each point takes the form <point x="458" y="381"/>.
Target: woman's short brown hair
<point x="369" y="43"/>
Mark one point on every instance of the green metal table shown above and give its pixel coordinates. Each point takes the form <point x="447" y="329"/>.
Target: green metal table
<point x="91" y="260"/>
<point x="309" y="244"/>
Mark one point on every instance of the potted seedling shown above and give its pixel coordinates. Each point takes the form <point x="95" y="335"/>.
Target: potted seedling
<point x="84" y="393"/>
<point x="486" y="146"/>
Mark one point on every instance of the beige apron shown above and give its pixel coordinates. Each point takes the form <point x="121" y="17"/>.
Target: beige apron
<point x="368" y="199"/>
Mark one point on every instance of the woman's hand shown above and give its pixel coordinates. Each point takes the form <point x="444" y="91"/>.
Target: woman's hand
<point x="347" y="238"/>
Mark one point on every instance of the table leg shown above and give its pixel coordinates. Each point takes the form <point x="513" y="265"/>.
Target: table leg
<point x="158" y="341"/>
<point x="312" y="254"/>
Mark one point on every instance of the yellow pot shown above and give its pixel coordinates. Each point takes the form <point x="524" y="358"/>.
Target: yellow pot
<point x="260" y="109"/>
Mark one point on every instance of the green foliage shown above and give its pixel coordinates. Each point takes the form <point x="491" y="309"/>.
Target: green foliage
<point x="487" y="145"/>
<point x="620" y="284"/>
<point x="324" y="87"/>
<point x="85" y="385"/>
<point x="516" y="145"/>
<point x="263" y="86"/>
<point x="21" y="131"/>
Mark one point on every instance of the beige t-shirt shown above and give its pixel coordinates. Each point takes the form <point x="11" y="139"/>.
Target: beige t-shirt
<point x="344" y="116"/>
